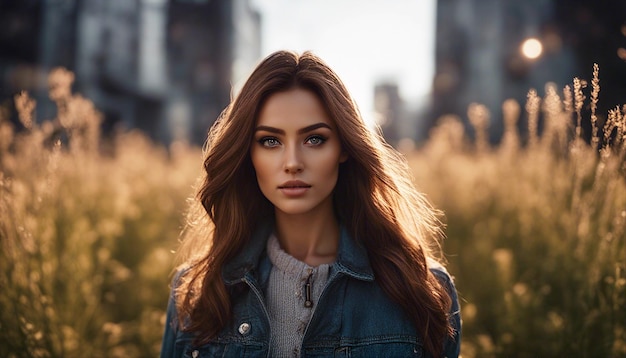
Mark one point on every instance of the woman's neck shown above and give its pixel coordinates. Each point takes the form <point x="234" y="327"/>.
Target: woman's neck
<point x="311" y="238"/>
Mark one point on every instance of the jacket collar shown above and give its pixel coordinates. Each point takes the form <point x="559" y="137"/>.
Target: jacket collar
<point x="352" y="258"/>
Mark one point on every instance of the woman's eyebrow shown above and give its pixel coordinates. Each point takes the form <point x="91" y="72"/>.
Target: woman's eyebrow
<point x="313" y="127"/>
<point x="269" y="129"/>
<point x="306" y="129"/>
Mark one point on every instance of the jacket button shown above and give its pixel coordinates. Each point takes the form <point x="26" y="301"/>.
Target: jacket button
<point x="244" y="328"/>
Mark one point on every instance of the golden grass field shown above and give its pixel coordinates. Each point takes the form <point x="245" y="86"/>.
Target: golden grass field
<point x="536" y="228"/>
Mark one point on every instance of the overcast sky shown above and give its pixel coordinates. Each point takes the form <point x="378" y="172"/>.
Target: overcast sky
<point x="364" y="41"/>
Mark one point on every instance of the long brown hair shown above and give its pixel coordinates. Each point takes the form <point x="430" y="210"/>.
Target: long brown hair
<point x="374" y="198"/>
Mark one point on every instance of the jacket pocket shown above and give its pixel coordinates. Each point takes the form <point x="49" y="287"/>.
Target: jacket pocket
<point x="388" y="349"/>
<point x="219" y="349"/>
<point x="208" y="350"/>
<point x="370" y="347"/>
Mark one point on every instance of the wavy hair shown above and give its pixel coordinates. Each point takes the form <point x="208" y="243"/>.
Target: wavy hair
<point x="374" y="198"/>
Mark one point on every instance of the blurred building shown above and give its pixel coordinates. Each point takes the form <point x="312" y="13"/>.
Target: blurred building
<point x="478" y="56"/>
<point x="163" y="66"/>
<point x="208" y="42"/>
<point x="389" y="109"/>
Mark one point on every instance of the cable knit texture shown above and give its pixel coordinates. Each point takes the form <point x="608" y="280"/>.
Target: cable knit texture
<point x="286" y="298"/>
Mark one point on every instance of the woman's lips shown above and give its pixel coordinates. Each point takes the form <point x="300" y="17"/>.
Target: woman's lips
<point x="294" y="191"/>
<point x="294" y="188"/>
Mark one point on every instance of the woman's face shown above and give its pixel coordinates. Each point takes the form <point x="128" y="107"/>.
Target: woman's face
<point x="296" y="153"/>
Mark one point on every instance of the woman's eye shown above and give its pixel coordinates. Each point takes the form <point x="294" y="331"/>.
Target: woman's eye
<point x="315" y="140"/>
<point x="269" y="142"/>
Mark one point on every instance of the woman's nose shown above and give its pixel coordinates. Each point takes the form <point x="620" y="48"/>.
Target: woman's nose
<point x="293" y="161"/>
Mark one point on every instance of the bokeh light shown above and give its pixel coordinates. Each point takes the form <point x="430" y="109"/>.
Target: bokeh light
<point x="532" y="48"/>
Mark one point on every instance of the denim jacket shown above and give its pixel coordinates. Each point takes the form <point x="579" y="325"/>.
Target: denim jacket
<point x="353" y="317"/>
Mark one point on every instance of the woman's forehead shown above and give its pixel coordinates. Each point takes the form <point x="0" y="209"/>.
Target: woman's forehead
<point x="292" y="108"/>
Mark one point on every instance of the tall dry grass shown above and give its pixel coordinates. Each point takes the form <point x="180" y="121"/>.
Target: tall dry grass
<point x="85" y="237"/>
<point x="536" y="233"/>
<point x="536" y="229"/>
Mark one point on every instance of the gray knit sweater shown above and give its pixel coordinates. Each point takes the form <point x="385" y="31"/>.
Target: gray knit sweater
<point x="286" y="298"/>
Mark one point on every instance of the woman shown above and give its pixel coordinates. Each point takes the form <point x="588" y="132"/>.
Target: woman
<point x="311" y="239"/>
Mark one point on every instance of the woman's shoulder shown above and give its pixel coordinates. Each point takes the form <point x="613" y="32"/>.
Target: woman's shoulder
<point x="179" y="275"/>
<point x="447" y="281"/>
<point x="440" y="271"/>
<point x="452" y="344"/>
